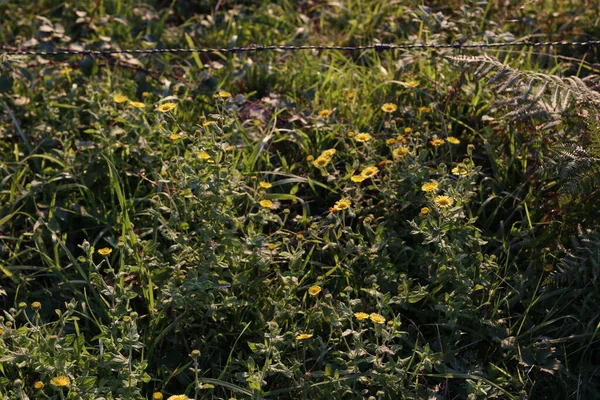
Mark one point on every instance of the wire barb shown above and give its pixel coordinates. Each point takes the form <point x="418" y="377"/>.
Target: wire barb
<point x="4" y="50"/>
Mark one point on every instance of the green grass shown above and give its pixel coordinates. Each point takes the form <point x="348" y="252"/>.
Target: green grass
<point x="201" y="252"/>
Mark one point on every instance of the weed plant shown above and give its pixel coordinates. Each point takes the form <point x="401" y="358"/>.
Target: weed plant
<point x="298" y="224"/>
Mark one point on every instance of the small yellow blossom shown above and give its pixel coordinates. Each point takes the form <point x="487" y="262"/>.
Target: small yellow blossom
<point x="146" y="94"/>
<point x="424" y="110"/>
<point x="119" y="98"/>
<point x="328" y="153"/>
<point x="208" y="123"/>
<point x="266" y="203"/>
<point x="66" y="71"/>
<point x="369" y="172"/>
<point x="350" y="95"/>
<point x="309" y="158"/>
<point x="444" y="201"/>
<point x="223" y="94"/>
<point x="166" y="107"/>
<point x="357" y="178"/>
<point x="157" y="396"/>
<point x="175" y="136"/>
<point x="60" y="381"/>
<point x="137" y="104"/>
<point x="424" y="211"/>
<point x="265" y="185"/>
<point x="321" y="162"/>
<point x="228" y="148"/>
<point x="314" y="290"/>
<point x="325" y="113"/>
<point x="361" y="316"/>
<point x="459" y="171"/>
<point x="548" y="267"/>
<point x="363" y="137"/>
<point x="376" y="318"/>
<point x="412" y="84"/>
<point x="178" y="397"/>
<point x="452" y="140"/>
<point x="390" y="142"/>
<point x="104" y="251"/>
<point x="304" y="336"/>
<point x="400" y="152"/>
<point x="342" y="204"/>
<point x="407" y="130"/>
<point x="36" y="305"/>
<point x="389" y="108"/>
<point x="204" y="155"/>
<point x="271" y="246"/>
<point x="38" y="385"/>
<point x="351" y="134"/>
<point x="436" y="141"/>
<point x="430" y="186"/>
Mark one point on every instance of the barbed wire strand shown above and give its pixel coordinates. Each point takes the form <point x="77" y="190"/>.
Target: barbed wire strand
<point x="258" y="48"/>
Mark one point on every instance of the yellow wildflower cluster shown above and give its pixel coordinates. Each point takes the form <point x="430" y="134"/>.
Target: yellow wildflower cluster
<point x="324" y="159"/>
<point x="342" y="204"/>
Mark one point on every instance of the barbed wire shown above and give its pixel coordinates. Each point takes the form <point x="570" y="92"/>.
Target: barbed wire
<point x="4" y="50"/>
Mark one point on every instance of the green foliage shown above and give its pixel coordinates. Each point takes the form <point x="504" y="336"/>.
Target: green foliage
<point x="295" y="224"/>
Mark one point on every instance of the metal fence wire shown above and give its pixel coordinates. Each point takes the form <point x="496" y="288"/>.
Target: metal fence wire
<point x="4" y="50"/>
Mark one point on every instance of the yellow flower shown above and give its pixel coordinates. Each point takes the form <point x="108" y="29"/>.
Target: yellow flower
<point x="157" y="396"/>
<point x="361" y="316"/>
<point x="266" y="203"/>
<point x="66" y="71"/>
<point x="444" y="201"/>
<point x="314" y="290"/>
<point x="407" y="130"/>
<point x="223" y="94"/>
<point x="369" y="172"/>
<point x="324" y="113"/>
<point x="179" y="397"/>
<point x="137" y="104"/>
<point x="321" y="162"/>
<point x="309" y="158"/>
<point x="436" y="141"/>
<point x="342" y="204"/>
<point x="204" y="155"/>
<point x="272" y="246"/>
<point x="208" y="123"/>
<point x="119" y="98"/>
<point x="424" y="110"/>
<point x="328" y="153"/>
<point x="104" y="251"/>
<point x="265" y="185"/>
<point x="36" y="305"/>
<point x="548" y="267"/>
<point x="400" y="152"/>
<point x="228" y="148"/>
<point x="166" y="107"/>
<point x="363" y="137"/>
<point x="304" y="336"/>
<point x="452" y="140"/>
<point x="38" y="385"/>
<point x="424" y="211"/>
<point x="390" y="141"/>
<point x="60" y="381"/>
<point x="459" y="171"/>
<point x="351" y="134"/>
<point x="174" y="136"/>
<point x="350" y="96"/>
<point x="376" y="318"/>
<point x="412" y="83"/>
<point x="389" y="108"/>
<point x="430" y="186"/>
<point x="357" y="178"/>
